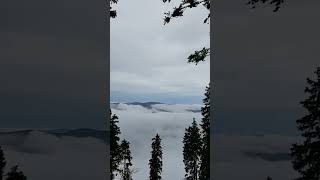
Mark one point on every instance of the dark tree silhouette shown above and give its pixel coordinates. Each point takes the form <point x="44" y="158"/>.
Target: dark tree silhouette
<point x="276" y="3"/>
<point x="114" y="144"/>
<point x="2" y="163"/>
<point x="113" y="13"/>
<point x="191" y="151"/>
<point x="269" y="178"/>
<point x="204" y="172"/>
<point x="126" y="158"/>
<point x="155" y="162"/>
<point x="306" y="156"/>
<point x="14" y="174"/>
<point x="200" y="55"/>
<point x="189" y="4"/>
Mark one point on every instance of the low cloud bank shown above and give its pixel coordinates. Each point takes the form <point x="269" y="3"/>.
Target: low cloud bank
<point x="235" y="156"/>
<point x="44" y="156"/>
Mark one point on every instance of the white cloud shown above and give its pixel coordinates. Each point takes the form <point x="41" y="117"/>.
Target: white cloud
<point x="42" y="156"/>
<point x="139" y="125"/>
<point x="148" y="57"/>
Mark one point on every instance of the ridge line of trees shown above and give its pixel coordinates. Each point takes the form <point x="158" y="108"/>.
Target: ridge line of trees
<point x="13" y="174"/>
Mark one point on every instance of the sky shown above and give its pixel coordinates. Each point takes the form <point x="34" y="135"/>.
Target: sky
<point x="261" y="63"/>
<point x="149" y="59"/>
<point x="53" y="63"/>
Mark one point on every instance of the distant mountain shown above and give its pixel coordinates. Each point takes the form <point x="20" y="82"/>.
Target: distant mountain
<point x="194" y="110"/>
<point x="273" y="157"/>
<point x="16" y="132"/>
<point x="80" y="133"/>
<point x="147" y="105"/>
<point x="83" y="132"/>
<point x="152" y="106"/>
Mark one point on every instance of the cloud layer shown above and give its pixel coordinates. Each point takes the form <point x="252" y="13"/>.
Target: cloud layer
<point x="239" y="154"/>
<point x="43" y="156"/>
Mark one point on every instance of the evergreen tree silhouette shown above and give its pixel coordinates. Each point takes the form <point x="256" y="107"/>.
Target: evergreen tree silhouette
<point x="14" y="174"/>
<point x="155" y="162"/>
<point x="204" y="171"/>
<point x="126" y="158"/>
<point x="114" y="144"/>
<point x="269" y="178"/>
<point x="306" y="156"/>
<point x="2" y="163"/>
<point x="191" y="151"/>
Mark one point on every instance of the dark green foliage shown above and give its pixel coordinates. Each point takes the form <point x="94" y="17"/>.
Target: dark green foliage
<point x="306" y="156"/>
<point x="114" y="144"/>
<point x="204" y="172"/>
<point x="276" y="3"/>
<point x="185" y="4"/>
<point x="191" y="151"/>
<point x="198" y="56"/>
<point x="2" y="163"/>
<point x="113" y="13"/>
<point x="126" y="158"/>
<point x="14" y="174"/>
<point x="155" y="162"/>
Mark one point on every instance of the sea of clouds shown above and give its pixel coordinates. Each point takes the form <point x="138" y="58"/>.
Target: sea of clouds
<point x="42" y="156"/>
<point x="45" y="156"/>
<point x="248" y="157"/>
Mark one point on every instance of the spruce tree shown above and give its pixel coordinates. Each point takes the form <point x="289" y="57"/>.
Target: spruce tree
<point x="269" y="178"/>
<point x="114" y="144"/>
<point x="306" y="156"/>
<point x="204" y="171"/>
<point x="126" y="172"/>
<point x="155" y="162"/>
<point x="191" y="151"/>
<point x="2" y="163"/>
<point x="14" y="174"/>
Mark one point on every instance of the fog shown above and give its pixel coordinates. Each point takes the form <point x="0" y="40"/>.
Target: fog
<point x="268" y="154"/>
<point x="42" y="156"/>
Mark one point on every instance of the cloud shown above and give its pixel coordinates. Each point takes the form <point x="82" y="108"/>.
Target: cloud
<point x="140" y="124"/>
<point x="148" y="58"/>
<point x="267" y="155"/>
<point x="43" y="156"/>
<point x="239" y="154"/>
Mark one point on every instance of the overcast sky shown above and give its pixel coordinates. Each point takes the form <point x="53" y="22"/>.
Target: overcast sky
<point x="261" y="62"/>
<point x="53" y="63"/>
<point x="149" y="60"/>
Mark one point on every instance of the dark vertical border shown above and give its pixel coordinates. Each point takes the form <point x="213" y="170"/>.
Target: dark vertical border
<point x="212" y="53"/>
<point x="107" y="89"/>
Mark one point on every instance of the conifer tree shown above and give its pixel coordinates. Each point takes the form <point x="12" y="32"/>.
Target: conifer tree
<point x="2" y="163"/>
<point x="269" y="178"/>
<point x="204" y="171"/>
<point x="191" y="151"/>
<point x="155" y="162"/>
<point x="306" y="156"/>
<point x="14" y="174"/>
<point x="114" y="144"/>
<point x="126" y="172"/>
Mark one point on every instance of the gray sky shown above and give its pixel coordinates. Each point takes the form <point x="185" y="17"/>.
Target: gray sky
<point x="148" y="59"/>
<point x="53" y="63"/>
<point x="260" y="65"/>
